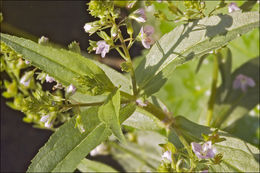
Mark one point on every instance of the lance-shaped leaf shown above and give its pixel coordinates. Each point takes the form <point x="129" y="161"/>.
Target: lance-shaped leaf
<point x="109" y="114"/>
<point x="67" y="146"/>
<point x="65" y="66"/>
<point x="188" y="41"/>
<point x="93" y="166"/>
<point x="238" y="156"/>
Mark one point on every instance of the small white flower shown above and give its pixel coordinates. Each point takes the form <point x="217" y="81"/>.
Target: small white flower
<point x="167" y="156"/>
<point x="102" y="48"/>
<point x="140" y="103"/>
<point x="233" y="7"/>
<point x="87" y="27"/>
<point x="45" y="118"/>
<point x="101" y="149"/>
<point x="48" y="124"/>
<point x="71" y="89"/>
<point x="43" y="40"/>
<point x="146" y="36"/>
<point x="139" y="15"/>
<point x="49" y="79"/>
<point x="27" y="62"/>
<point x="25" y="81"/>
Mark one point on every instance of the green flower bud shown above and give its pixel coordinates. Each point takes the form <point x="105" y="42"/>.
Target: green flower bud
<point x="79" y="124"/>
<point x="26" y="79"/>
<point x="114" y="31"/>
<point x="129" y="27"/>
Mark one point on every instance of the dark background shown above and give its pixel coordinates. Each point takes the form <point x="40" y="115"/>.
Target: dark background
<point x="62" y="22"/>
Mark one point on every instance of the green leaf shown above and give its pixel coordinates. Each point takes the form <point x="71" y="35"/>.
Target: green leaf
<point x="93" y="166"/>
<point x="65" y="66"/>
<point x="249" y="131"/>
<point x="144" y="120"/>
<point x="109" y="114"/>
<point x="67" y="146"/>
<point x="188" y="41"/>
<point x="186" y="92"/>
<point x="117" y="78"/>
<point x="141" y="156"/>
<point x="238" y="156"/>
<point x="237" y="103"/>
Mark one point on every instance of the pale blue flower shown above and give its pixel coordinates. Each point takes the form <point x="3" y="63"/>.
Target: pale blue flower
<point x="167" y="156"/>
<point x="243" y="82"/>
<point x="233" y="7"/>
<point x="146" y="36"/>
<point x="205" y="151"/>
<point x="102" y="48"/>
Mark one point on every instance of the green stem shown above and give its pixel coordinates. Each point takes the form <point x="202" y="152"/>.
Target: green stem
<point x="186" y="146"/>
<point x="128" y="58"/>
<point x="90" y="104"/>
<point x="157" y="112"/>
<point x="213" y="91"/>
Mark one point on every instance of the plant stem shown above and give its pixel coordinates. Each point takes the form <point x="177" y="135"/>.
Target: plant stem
<point x="128" y="58"/>
<point x="213" y="91"/>
<point x="186" y="145"/>
<point x="90" y="104"/>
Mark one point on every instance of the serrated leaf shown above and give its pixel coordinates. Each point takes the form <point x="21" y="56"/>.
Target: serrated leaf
<point x="67" y="146"/>
<point x="188" y="41"/>
<point x="109" y="114"/>
<point x="65" y="66"/>
<point x="237" y="103"/>
<point x="238" y="156"/>
<point x="93" y="166"/>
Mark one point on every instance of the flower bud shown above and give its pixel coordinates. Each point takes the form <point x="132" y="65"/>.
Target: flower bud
<point x="129" y="27"/>
<point x="49" y="79"/>
<point x="26" y="79"/>
<point x="43" y="40"/>
<point x="71" y="89"/>
<point x="139" y="15"/>
<point x="114" y="31"/>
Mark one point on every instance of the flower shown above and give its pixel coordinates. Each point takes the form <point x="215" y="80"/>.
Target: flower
<point x="233" y="7"/>
<point x="49" y="79"/>
<point x="146" y="36"/>
<point x="101" y="149"/>
<point x="27" y="62"/>
<point x="102" y="48"/>
<point x="167" y="156"/>
<point x="25" y="81"/>
<point x="43" y="40"/>
<point x="71" y="89"/>
<point x="46" y="120"/>
<point x="26" y="78"/>
<point x="140" y="103"/>
<point x="87" y="27"/>
<point x="139" y="15"/>
<point x="242" y="82"/>
<point x="206" y="151"/>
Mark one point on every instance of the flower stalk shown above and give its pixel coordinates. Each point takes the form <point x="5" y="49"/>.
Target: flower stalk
<point x="213" y="91"/>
